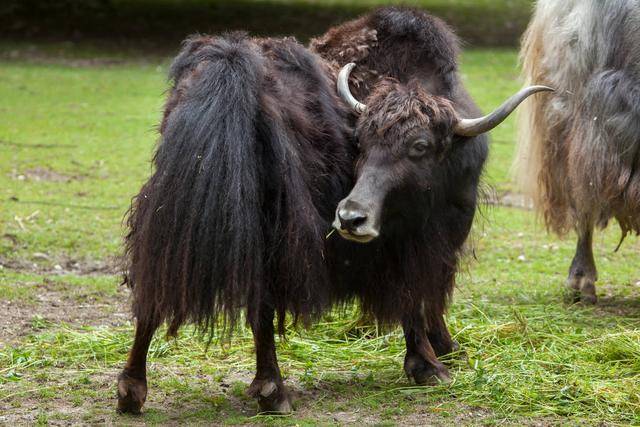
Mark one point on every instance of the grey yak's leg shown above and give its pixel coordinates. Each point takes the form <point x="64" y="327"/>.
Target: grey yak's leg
<point x="132" y="381"/>
<point x="421" y="362"/>
<point x="267" y="386"/>
<point x="583" y="274"/>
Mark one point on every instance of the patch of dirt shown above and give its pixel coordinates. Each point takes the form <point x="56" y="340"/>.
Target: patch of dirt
<point x="60" y="411"/>
<point x="210" y="394"/>
<point x="58" y="302"/>
<point x="98" y="408"/>
<point x="425" y="415"/>
<point x="36" y="145"/>
<point x="40" y="174"/>
<point x="469" y="416"/>
<point x="44" y="264"/>
<point x="610" y="302"/>
<point x="54" y="303"/>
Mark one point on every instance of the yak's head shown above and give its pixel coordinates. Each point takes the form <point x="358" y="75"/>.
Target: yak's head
<point x="404" y="134"/>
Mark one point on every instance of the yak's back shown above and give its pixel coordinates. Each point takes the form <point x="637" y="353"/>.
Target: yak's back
<point x="398" y="42"/>
<point x="572" y="40"/>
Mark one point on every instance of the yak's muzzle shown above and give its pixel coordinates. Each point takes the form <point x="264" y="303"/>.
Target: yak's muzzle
<point x="356" y="222"/>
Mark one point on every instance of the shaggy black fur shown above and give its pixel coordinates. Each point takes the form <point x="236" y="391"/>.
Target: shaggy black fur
<point x="248" y="174"/>
<point x="257" y="151"/>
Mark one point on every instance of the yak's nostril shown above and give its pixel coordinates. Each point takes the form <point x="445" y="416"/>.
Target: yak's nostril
<point x="351" y="220"/>
<point x="357" y="222"/>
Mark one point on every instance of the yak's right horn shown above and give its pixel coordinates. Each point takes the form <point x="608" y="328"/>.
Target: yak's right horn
<point x="475" y="127"/>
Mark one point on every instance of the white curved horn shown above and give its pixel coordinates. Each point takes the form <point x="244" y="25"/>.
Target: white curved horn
<point x="475" y="127"/>
<point x="345" y="93"/>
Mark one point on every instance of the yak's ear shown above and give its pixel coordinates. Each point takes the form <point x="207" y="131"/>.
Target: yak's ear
<point x="475" y="127"/>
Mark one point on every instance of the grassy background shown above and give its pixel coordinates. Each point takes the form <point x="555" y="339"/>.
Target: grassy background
<point x="77" y="129"/>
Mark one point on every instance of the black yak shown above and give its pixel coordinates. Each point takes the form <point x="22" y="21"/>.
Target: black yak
<point x="579" y="153"/>
<point x="258" y="156"/>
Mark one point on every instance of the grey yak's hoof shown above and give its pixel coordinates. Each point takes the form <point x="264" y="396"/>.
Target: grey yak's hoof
<point x="132" y="393"/>
<point x="424" y="373"/>
<point x="581" y="289"/>
<point x="272" y="396"/>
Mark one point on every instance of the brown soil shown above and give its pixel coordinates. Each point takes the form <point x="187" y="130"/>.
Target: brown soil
<point x="42" y="174"/>
<point x="60" y="303"/>
<point x="44" y="264"/>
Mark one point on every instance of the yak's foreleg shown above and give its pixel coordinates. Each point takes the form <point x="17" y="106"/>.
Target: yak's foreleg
<point x="132" y="381"/>
<point x="583" y="273"/>
<point x="421" y="362"/>
<point x="267" y="386"/>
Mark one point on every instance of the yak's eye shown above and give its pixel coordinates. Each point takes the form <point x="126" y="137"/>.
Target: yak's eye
<point x="419" y="148"/>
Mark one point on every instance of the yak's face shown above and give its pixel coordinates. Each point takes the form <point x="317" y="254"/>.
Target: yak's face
<point x="404" y="135"/>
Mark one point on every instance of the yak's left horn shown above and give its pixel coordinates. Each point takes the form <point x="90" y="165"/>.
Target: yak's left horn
<point x="345" y="93"/>
<point x="475" y="127"/>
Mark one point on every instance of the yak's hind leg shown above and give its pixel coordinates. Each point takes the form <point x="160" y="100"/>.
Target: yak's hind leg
<point x="440" y="338"/>
<point x="132" y="381"/>
<point x="267" y="386"/>
<point x="421" y="362"/>
<point x="583" y="273"/>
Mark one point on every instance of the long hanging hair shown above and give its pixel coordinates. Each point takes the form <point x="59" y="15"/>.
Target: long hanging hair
<point x="227" y="221"/>
<point x="579" y="150"/>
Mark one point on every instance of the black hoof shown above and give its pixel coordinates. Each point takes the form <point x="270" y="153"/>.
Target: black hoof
<point x="424" y="373"/>
<point x="589" y="299"/>
<point x="581" y="289"/>
<point x="132" y="393"/>
<point x="588" y="291"/>
<point x="272" y="396"/>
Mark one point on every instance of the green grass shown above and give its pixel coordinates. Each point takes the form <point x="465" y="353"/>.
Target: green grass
<point x="75" y="144"/>
<point x="95" y="129"/>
